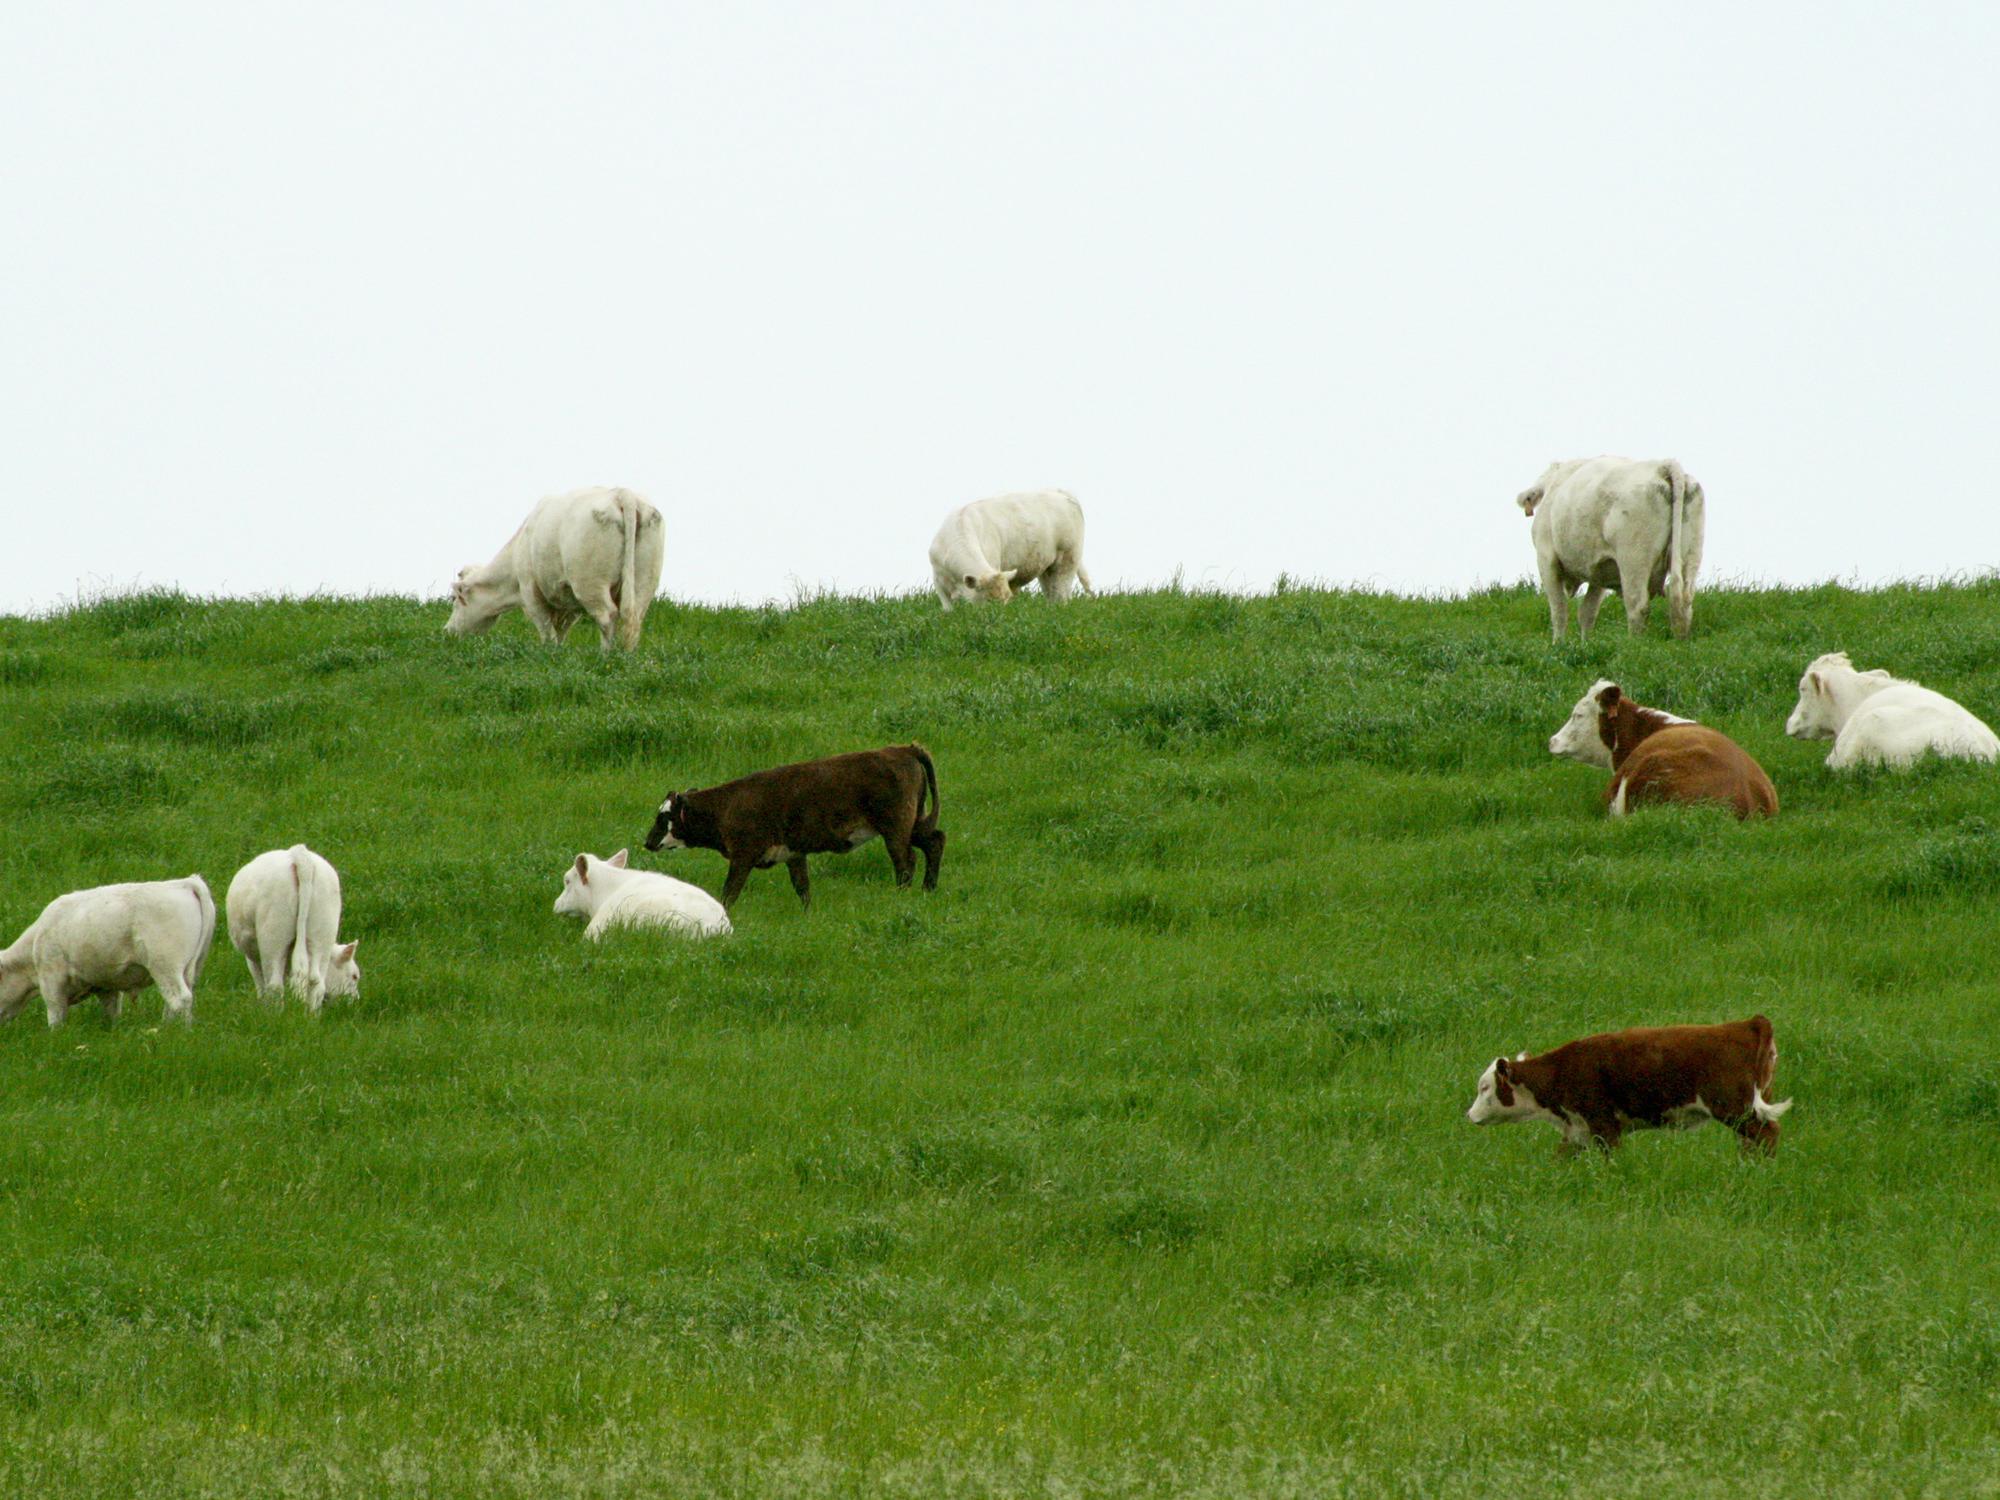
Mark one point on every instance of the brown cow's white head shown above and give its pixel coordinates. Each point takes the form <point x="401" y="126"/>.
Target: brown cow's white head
<point x="1582" y="736"/>
<point x="1502" y="1096"/>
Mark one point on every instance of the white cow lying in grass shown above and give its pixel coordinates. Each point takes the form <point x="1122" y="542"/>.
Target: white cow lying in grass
<point x="992" y="549"/>
<point x="284" y="918"/>
<point x="112" y="941"/>
<point x="590" y="552"/>
<point x="610" y="895"/>
<point x="1874" y="719"/>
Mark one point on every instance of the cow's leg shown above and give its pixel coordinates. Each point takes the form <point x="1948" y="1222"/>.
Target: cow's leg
<point x="1605" y="1134"/>
<point x="1587" y="607"/>
<point x="1060" y="579"/>
<point x="932" y="844"/>
<point x="796" y="868"/>
<point x="1634" y="580"/>
<point x="740" y="867"/>
<point x="179" y="997"/>
<point x="1557" y="588"/>
<point x="1759" y="1137"/>
<point x="112" y="1001"/>
<point x="56" y="997"/>
<point x="541" y="615"/>
<point x="603" y="611"/>
<point x="277" y="931"/>
<point x="897" y="840"/>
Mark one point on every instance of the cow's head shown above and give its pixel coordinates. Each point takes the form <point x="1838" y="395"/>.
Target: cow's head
<point x="1817" y="716"/>
<point x="579" y="898"/>
<point x="1502" y="1096"/>
<point x="1586" y="736"/>
<point x="680" y="825"/>
<point x="1529" y="498"/>
<point x="996" y="587"/>
<point x="343" y="974"/>
<point x="17" y="981"/>
<point x="474" y="606"/>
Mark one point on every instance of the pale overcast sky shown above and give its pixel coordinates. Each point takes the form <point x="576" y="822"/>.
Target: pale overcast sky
<point x="323" y="298"/>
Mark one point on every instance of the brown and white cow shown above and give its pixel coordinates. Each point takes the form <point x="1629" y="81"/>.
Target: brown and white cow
<point x="1659" y="757"/>
<point x="825" y="806"/>
<point x="1648" y="1078"/>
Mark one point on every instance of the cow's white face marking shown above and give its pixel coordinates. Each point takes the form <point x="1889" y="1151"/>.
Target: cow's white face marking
<point x="1812" y="716"/>
<point x="667" y="839"/>
<point x="575" y="900"/>
<point x="1486" y="1105"/>
<point x="1579" y="739"/>
<point x="343" y="974"/>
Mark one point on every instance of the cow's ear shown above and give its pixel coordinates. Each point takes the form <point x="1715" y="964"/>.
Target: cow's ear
<point x="1503" y="1083"/>
<point x="1819" y="688"/>
<point x="345" y="951"/>
<point x="1501" y="1069"/>
<point x="618" y="859"/>
<point x="1610" y="694"/>
<point x="1012" y="574"/>
<point x="583" y="868"/>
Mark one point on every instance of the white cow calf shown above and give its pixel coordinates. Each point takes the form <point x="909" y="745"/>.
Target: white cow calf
<point x="609" y="895"/>
<point x="591" y="552"/>
<point x="284" y="918"/>
<point x="1874" y="719"/>
<point x="1617" y="523"/>
<point x="992" y="549"/>
<point x="112" y="941"/>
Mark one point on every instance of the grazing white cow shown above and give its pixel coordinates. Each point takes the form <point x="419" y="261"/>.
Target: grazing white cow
<point x="1874" y="719"/>
<point x="1617" y="523"/>
<point x="609" y="895"/>
<point x="284" y="918"/>
<point x="112" y="941"/>
<point x="591" y="552"/>
<point x="992" y="549"/>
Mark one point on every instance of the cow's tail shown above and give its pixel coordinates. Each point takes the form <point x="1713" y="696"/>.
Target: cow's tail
<point x="925" y="824"/>
<point x="1677" y="490"/>
<point x="1683" y="544"/>
<point x="204" y="903"/>
<point x="631" y="618"/>
<point x="305" y="884"/>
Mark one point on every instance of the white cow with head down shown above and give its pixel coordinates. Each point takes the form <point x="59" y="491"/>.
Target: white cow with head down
<point x="591" y="552"/>
<point x="992" y="549"/>
<point x="112" y="941"/>
<point x="1874" y="719"/>
<point x="284" y="918"/>
<point x="1617" y="523"/>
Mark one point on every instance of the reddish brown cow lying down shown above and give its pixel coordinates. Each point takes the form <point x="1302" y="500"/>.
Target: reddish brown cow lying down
<point x="1657" y="757"/>
<point x="1648" y="1078"/>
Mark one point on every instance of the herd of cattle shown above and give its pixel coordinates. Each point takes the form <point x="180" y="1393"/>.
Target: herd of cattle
<point x="1602" y="524"/>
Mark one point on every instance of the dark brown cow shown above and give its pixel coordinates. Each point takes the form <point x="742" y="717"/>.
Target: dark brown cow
<point x="1648" y="1078"/>
<point x="1658" y="757"/>
<point x="815" y="807"/>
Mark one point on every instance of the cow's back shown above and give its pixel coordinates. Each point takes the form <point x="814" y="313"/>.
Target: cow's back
<point x="102" y="935"/>
<point x="1693" y="763"/>
<point x="1647" y="1073"/>
<point x="1029" y="530"/>
<point x="1903" y="722"/>
<point x="1595" y="507"/>
<point x="578" y="539"/>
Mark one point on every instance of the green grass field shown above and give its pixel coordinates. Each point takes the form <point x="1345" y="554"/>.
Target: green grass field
<point x="1131" y="1161"/>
